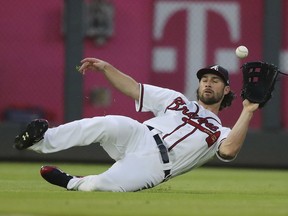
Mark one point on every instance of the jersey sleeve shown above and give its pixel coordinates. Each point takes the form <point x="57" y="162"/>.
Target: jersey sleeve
<point x="155" y="99"/>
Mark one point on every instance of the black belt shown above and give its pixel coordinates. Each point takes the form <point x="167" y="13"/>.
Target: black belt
<point x="163" y="152"/>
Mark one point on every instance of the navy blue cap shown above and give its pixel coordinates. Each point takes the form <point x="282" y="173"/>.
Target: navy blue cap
<point x="217" y="70"/>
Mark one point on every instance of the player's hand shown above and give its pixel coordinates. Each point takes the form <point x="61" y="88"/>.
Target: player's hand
<point x="92" y="64"/>
<point x="250" y="107"/>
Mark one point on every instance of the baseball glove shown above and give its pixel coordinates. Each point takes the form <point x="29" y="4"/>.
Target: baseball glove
<point x="258" y="82"/>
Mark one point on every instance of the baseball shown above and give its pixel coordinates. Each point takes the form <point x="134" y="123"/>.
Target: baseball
<point x="241" y="52"/>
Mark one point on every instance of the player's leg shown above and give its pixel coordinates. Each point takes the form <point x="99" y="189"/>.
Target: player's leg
<point x="114" y="133"/>
<point x="134" y="172"/>
<point x="141" y="168"/>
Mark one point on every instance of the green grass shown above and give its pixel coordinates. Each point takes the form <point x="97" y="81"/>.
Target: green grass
<point x="204" y="191"/>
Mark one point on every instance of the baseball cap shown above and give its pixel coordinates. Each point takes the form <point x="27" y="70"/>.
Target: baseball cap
<point x="217" y="70"/>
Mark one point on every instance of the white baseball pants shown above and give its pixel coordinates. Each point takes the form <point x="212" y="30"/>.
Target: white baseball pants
<point x="138" y="162"/>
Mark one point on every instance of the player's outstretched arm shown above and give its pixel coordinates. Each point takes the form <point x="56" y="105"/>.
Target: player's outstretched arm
<point x="233" y="143"/>
<point x="124" y="83"/>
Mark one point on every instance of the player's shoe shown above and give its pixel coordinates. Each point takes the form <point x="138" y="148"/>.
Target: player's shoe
<point x="33" y="133"/>
<point x="55" y="176"/>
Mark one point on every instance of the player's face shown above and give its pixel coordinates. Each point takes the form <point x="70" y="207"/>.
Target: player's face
<point x="211" y="89"/>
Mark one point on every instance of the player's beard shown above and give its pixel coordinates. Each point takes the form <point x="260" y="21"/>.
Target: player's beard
<point x="217" y="97"/>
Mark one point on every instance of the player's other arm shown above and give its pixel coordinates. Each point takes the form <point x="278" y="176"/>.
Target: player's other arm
<point x="124" y="83"/>
<point x="234" y="141"/>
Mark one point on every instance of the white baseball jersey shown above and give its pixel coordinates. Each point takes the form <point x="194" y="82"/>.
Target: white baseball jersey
<point x="191" y="133"/>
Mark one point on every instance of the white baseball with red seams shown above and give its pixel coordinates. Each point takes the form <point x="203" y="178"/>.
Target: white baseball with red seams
<point x="242" y="52"/>
<point x="191" y="134"/>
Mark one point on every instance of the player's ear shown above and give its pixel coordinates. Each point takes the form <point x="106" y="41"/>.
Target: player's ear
<point x="226" y="90"/>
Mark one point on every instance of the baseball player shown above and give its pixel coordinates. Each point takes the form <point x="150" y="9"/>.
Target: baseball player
<point x="183" y="134"/>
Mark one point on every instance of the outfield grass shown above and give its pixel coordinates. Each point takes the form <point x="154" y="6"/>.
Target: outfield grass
<point x="204" y="191"/>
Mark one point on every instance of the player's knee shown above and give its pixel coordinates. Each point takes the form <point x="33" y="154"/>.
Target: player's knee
<point x="106" y="125"/>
